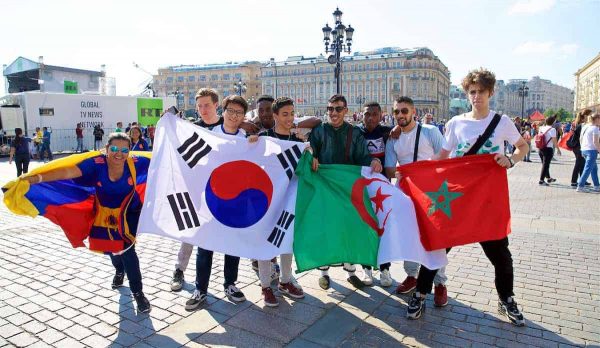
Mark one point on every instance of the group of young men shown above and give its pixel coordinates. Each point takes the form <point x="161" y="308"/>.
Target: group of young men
<point x="382" y="149"/>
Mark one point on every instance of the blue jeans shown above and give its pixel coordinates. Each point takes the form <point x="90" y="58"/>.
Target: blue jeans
<point x="590" y="167"/>
<point x="46" y="148"/>
<point x="204" y="267"/>
<point x="129" y="264"/>
<point x="79" y="145"/>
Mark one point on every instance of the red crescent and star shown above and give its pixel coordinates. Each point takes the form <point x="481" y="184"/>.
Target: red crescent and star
<point x="357" y="202"/>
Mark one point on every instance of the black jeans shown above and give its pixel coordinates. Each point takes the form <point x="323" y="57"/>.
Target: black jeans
<point x="204" y="267"/>
<point x="22" y="163"/>
<point x="546" y="156"/>
<point x="498" y="254"/>
<point x="578" y="168"/>
<point x="129" y="264"/>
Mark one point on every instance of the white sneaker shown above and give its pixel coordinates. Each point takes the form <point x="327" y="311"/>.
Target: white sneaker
<point x="581" y="189"/>
<point x="234" y="294"/>
<point x="596" y="189"/>
<point x="367" y="277"/>
<point x="385" y="278"/>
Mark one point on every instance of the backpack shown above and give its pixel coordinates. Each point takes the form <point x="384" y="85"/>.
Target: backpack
<point x="540" y="139"/>
<point x="573" y="141"/>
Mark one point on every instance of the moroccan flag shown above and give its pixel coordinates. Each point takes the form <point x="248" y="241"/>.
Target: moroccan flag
<point x="348" y="214"/>
<point x="458" y="201"/>
<point x="67" y="203"/>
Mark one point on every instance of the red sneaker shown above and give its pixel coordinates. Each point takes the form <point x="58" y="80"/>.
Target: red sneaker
<point x="269" y="298"/>
<point x="291" y="290"/>
<point x="440" y="295"/>
<point x="408" y="285"/>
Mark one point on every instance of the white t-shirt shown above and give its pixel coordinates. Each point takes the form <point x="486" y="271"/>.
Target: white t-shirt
<point x="587" y="137"/>
<point x="548" y="136"/>
<point x="462" y="133"/>
<point x="220" y="130"/>
<point x="401" y="151"/>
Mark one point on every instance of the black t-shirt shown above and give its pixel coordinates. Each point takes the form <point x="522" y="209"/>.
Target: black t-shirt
<point x="203" y="124"/>
<point x="376" y="141"/>
<point x="271" y="133"/>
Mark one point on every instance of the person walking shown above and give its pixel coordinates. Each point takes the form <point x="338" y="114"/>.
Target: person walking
<point x="46" y="144"/>
<point x="526" y="134"/>
<point x="590" y="146"/>
<point x="19" y="150"/>
<point x="575" y="144"/>
<point x="546" y="152"/>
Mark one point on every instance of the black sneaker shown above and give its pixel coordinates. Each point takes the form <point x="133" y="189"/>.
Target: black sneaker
<point x="143" y="305"/>
<point x="324" y="282"/>
<point x="118" y="280"/>
<point x="197" y="299"/>
<point x="356" y="282"/>
<point x="255" y="265"/>
<point x="177" y="281"/>
<point x="543" y="183"/>
<point x="551" y="180"/>
<point x="234" y="294"/>
<point x="510" y="309"/>
<point x="416" y="306"/>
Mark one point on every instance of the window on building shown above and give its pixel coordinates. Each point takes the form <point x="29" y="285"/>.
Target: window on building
<point x="191" y="78"/>
<point x="238" y="76"/>
<point x="46" y="111"/>
<point x="169" y="80"/>
<point x="226" y="77"/>
<point x="202" y="77"/>
<point x="179" y="78"/>
<point x="191" y="100"/>
<point x="214" y="77"/>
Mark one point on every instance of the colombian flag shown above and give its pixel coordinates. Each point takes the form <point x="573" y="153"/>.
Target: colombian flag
<point x="67" y="203"/>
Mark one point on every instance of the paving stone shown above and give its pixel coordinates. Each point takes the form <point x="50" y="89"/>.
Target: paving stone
<point x="261" y="323"/>
<point x="51" y="336"/>
<point x="328" y="331"/>
<point x="8" y="330"/>
<point x="23" y="339"/>
<point x="226" y="335"/>
<point x="187" y="329"/>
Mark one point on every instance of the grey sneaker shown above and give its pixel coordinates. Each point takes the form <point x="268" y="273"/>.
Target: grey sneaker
<point x="234" y="294"/>
<point x="510" y="309"/>
<point x="198" y="297"/>
<point x="177" y="281"/>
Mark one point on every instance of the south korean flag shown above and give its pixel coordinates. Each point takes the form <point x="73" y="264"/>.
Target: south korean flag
<point x="221" y="192"/>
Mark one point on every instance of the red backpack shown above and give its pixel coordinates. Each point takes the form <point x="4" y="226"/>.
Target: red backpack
<point x="540" y="139"/>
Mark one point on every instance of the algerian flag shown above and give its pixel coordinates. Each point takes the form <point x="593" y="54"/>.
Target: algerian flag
<point x="346" y="213"/>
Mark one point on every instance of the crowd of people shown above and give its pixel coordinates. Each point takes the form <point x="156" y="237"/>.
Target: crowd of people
<point x="380" y="147"/>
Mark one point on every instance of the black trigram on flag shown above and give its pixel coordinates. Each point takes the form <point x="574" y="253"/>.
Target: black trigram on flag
<point x="284" y="222"/>
<point x="289" y="160"/>
<point x="183" y="210"/>
<point x="193" y="149"/>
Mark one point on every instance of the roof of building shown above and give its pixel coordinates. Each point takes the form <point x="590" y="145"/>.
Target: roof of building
<point x="227" y="65"/>
<point x="22" y="64"/>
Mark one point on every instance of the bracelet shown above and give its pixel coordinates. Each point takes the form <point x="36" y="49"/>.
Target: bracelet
<point x="40" y="178"/>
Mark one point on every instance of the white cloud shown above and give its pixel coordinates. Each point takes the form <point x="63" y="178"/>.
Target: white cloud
<point x="533" y="47"/>
<point x="531" y="6"/>
<point x="569" y="49"/>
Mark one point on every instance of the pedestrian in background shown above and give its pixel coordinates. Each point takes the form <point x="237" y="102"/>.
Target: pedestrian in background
<point x="98" y="134"/>
<point x="47" y="133"/>
<point x="79" y="135"/>
<point x="547" y="152"/>
<point x="526" y="134"/>
<point x="575" y="145"/>
<point x="137" y="140"/>
<point x="590" y="146"/>
<point x="19" y="150"/>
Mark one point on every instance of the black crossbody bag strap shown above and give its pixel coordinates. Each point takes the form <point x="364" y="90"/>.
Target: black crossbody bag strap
<point x="485" y="136"/>
<point x="348" y="145"/>
<point x="416" y="152"/>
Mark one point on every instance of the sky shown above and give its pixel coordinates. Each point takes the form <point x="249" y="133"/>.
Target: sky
<point x="516" y="39"/>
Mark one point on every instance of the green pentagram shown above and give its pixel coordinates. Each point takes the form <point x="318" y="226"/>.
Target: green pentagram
<point x="442" y="204"/>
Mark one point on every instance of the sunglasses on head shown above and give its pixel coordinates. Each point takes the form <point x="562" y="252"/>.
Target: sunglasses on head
<point x="336" y="108"/>
<point x="114" y="148"/>
<point x="404" y="111"/>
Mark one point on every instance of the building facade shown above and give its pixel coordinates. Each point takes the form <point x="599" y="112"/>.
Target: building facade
<point x="185" y="80"/>
<point x="542" y="95"/>
<point x="24" y="75"/>
<point x="380" y="75"/>
<point x="587" y="86"/>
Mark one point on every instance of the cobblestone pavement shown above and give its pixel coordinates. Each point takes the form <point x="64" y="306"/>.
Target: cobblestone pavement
<point x="54" y="295"/>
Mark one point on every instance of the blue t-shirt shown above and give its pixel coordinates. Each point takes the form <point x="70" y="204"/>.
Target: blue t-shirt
<point x="141" y="145"/>
<point x="46" y="138"/>
<point x="110" y="194"/>
<point x="23" y="147"/>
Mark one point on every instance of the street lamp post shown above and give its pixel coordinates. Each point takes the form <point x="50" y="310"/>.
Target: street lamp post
<point x="360" y="100"/>
<point x="239" y="87"/>
<point x="337" y="44"/>
<point x="274" y="65"/>
<point x="523" y="93"/>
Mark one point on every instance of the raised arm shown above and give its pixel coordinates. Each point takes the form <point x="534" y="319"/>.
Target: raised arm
<point x="54" y="175"/>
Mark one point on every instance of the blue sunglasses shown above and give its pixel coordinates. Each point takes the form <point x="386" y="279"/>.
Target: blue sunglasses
<point x="116" y="149"/>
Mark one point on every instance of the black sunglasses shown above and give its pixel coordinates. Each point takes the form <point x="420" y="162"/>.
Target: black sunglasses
<point x="404" y="111"/>
<point x="336" y="108"/>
